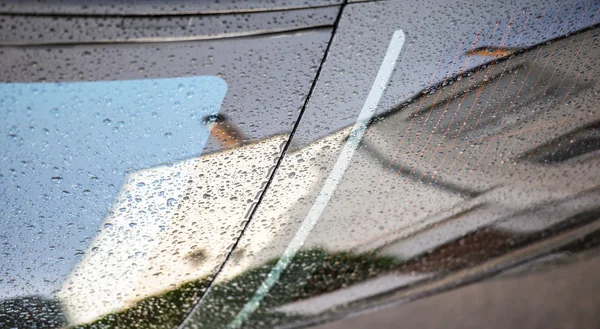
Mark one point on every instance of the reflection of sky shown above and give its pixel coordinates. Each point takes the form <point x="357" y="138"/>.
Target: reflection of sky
<point x="66" y="148"/>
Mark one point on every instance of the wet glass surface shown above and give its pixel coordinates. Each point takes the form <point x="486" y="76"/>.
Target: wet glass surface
<point x="153" y="7"/>
<point x="78" y="153"/>
<point x="28" y="29"/>
<point x="122" y="164"/>
<point x="457" y="178"/>
<point x="439" y="146"/>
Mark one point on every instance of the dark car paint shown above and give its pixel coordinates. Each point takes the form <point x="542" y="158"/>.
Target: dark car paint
<point x="152" y="7"/>
<point x="342" y="85"/>
<point x="29" y="30"/>
<point x="329" y="98"/>
<point x="273" y="67"/>
<point x="560" y="296"/>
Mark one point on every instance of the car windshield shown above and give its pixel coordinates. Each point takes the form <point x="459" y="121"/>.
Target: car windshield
<point x="280" y="165"/>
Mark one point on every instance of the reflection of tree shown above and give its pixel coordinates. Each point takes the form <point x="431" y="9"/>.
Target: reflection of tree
<point x="315" y="272"/>
<point x="31" y="312"/>
<point x="161" y="311"/>
<point x="311" y="273"/>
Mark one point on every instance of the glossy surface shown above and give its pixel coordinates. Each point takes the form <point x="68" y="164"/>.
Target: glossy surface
<point x="57" y="130"/>
<point x="112" y="246"/>
<point x="153" y="7"/>
<point x="30" y="30"/>
<point x="438" y="185"/>
<point x="562" y="292"/>
<point x="438" y="146"/>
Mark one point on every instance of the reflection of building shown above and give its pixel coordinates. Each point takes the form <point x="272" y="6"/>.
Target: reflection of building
<point x="512" y="146"/>
<point x="492" y="162"/>
<point x="520" y="133"/>
<point x="169" y="225"/>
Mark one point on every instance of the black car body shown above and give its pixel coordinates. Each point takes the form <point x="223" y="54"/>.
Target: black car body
<point x="289" y="164"/>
